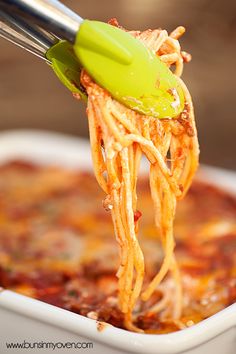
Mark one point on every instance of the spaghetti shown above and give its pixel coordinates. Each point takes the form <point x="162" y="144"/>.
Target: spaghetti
<point x="119" y="137"/>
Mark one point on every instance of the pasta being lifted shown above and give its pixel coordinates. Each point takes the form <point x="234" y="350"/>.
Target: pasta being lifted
<point x="119" y="137"/>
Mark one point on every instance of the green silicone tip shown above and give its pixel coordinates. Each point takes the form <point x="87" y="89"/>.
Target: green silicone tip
<point x="133" y="75"/>
<point x="66" y="66"/>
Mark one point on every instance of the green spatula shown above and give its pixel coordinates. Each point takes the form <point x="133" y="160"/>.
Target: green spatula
<point x="115" y="60"/>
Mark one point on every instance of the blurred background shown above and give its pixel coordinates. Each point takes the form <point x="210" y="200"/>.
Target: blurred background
<point x="32" y="97"/>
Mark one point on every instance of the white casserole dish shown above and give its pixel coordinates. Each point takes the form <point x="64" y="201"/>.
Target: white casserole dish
<point x="23" y="318"/>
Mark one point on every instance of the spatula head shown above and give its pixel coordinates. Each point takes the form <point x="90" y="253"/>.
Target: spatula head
<point x="133" y="74"/>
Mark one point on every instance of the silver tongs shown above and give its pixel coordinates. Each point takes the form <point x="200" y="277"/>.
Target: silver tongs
<point x="47" y="29"/>
<point x="25" y="35"/>
<point x="114" y="59"/>
<point x="36" y="25"/>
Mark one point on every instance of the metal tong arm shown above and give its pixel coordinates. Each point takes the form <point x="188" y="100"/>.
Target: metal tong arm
<point x="25" y="35"/>
<point x="51" y="15"/>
